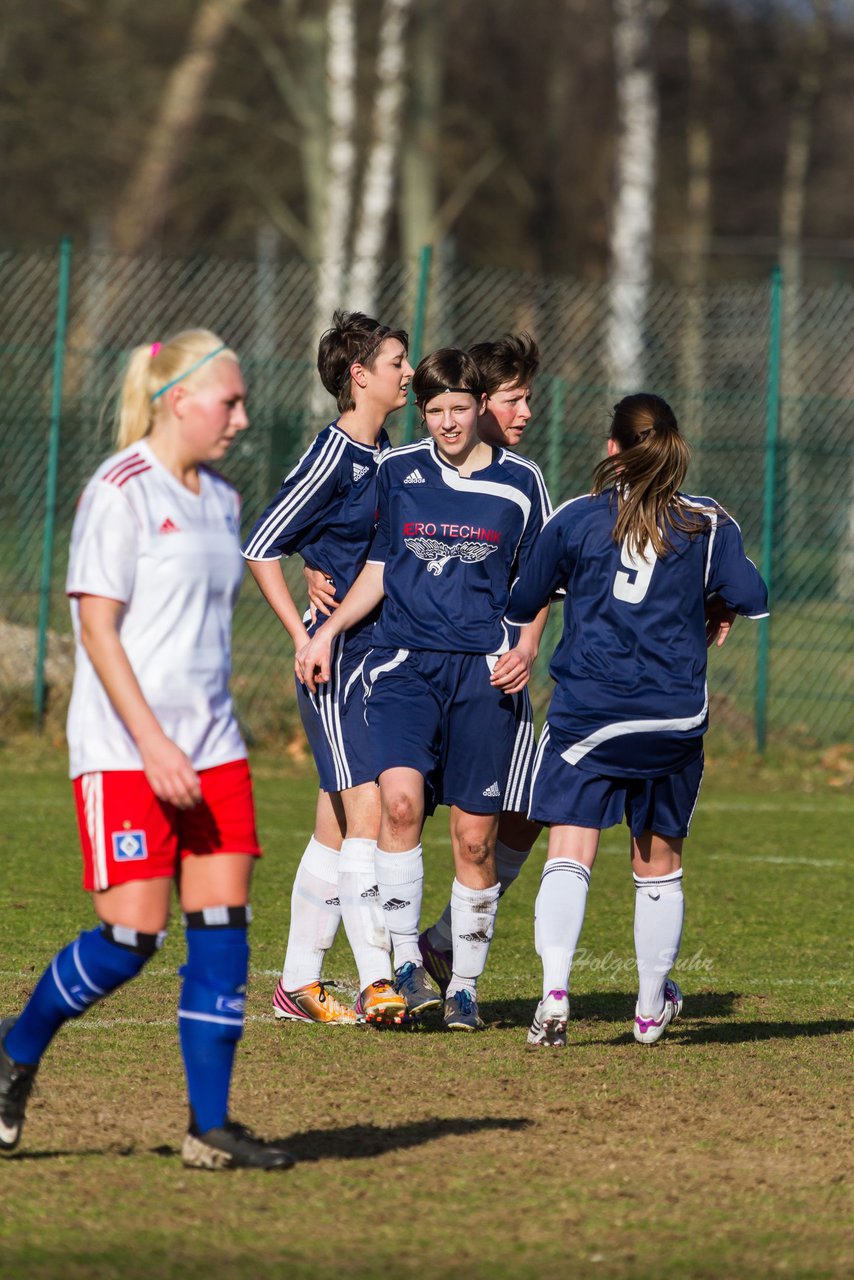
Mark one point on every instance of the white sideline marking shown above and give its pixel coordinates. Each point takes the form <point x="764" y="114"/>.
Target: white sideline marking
<point x="785" y="859"/>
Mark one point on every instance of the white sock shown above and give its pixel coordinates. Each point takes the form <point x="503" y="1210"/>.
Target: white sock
<point x="473" y="922"/>
<point x="659" y="912"/>
<point x="508" y="863"/>
<point x="364" y="919"/>
<point x="558" y="917"/>
<point x="315" y="915"/>
<point x="400" y="877"/>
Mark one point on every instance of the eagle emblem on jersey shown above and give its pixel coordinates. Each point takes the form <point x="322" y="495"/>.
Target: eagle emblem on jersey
<point x="437" y="554"/>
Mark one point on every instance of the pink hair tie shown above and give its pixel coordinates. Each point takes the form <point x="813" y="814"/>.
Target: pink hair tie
<point x="155" y="347"/>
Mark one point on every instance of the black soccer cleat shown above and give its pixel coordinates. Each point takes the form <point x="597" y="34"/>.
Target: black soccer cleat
<point x="16" y="1082"/>
<point x="232" y="1147"/>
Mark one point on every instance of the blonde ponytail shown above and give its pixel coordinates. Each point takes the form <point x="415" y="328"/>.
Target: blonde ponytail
<point x="148" y="371"/>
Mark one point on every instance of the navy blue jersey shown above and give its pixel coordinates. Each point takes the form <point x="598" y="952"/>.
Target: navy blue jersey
<point x="450" y="546"/>
<point x="325" y="510"/>
<point x="630" y="667"/>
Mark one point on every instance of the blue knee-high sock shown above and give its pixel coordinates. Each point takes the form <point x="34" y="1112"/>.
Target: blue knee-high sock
<point x="83" y="973"/>
<point x="210" y="1014"/>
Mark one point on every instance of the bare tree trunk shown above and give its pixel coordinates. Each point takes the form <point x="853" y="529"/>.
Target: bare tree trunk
<point x="698" y="144"/>
<point x="340" y="167"/>
<point x="143" y="204"/>
<point x="634" y="201"/>
<point x="378" y="182"/>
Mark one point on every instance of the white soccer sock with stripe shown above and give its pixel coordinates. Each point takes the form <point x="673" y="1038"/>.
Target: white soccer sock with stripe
<point x="558" y="917"/>
<point x="473" y="920"/>
<point x="508" y="863"/>
<point x="400" y="877"/>
<point x="659" y="913"/>
<point x="315" y="915"/>
<point x="364" y="919"/>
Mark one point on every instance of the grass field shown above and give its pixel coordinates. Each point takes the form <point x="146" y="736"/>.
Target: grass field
<point x="724" y="1151"/>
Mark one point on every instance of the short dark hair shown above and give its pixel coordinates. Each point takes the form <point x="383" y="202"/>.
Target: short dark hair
<point x="448" y="369"/>
<point x="515" y="358"/>
<point x="353" y="338"/>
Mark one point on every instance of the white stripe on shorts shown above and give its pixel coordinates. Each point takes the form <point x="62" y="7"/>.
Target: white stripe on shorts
<point x="523" y="752"/>
<point x="93" y="808"/>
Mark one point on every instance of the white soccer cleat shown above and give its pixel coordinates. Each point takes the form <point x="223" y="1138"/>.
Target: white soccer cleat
<point x="648" y="1030"/>
<point x="549" y="1023"/>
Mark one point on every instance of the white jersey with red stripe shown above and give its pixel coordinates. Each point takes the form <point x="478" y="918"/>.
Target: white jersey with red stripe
<point x="172" y="557"/>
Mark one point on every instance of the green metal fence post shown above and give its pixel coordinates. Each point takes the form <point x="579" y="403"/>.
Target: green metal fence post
<point x="418" y="323"/>
<point x="772" y="427"/>
<point x="62" y="296"/>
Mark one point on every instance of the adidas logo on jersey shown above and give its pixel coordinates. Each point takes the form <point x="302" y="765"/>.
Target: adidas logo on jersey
<point x="169" y="526"/>
<point x="373" y="892"/>
<point x="494" y="790"/>
<point x="415" y="477"/>
<point x="359" y="471"/>
<point x="395" y="904"/>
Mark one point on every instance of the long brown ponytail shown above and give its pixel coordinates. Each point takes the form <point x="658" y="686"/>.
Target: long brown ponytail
<point x="646" y="475"/>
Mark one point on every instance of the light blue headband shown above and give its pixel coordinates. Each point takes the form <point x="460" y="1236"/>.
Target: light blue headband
<point x="192" y="369"/>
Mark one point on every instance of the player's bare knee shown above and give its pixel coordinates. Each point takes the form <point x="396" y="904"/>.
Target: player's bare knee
<point x="400" y="813"/>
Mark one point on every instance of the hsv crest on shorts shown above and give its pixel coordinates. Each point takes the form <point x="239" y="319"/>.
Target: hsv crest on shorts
<point x="129" y="846"/>
<point x="437" y="554"/>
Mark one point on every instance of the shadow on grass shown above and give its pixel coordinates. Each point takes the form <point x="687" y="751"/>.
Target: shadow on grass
<point x="360" y="1141"/>
<point x="747" y="1032"/>
<point x="607" y="1006"/>
<point x="356" y="1142"/>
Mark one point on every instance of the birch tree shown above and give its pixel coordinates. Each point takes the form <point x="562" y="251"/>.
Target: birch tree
<point x="382" y="162"/>
<point x="634" y="199"/>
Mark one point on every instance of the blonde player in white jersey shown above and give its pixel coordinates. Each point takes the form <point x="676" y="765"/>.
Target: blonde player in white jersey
<point x="159" y="768"/>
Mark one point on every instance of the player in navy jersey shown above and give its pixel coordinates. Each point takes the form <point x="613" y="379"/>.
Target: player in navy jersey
<point x="508" y="367"/>
<point x="326" y="512"/>
<point x="161" y="782"/>
<point x="456" y="519"/>
<point x="652" y="576"/>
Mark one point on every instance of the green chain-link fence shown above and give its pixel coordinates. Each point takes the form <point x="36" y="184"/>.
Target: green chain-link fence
<point x="761" y="378"/>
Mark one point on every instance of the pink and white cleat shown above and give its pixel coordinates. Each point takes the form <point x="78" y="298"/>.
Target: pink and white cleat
<point x="648" y="1030"/>
<point x="549" y="1023"/>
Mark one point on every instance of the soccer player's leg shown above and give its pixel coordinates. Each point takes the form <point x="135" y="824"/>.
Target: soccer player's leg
<point x="128" y="858"/>
<point x="479" y="733"/>
<point x="659" y="813"/>
<point x="516" y="837"/>
<point x="301" y="995"/>
<point x="218" y="845"/>
<point x="404" y="701"/>
<point x="576" y="806"/>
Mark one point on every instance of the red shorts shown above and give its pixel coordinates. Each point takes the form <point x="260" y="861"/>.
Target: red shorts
<point x="128" y="834"/>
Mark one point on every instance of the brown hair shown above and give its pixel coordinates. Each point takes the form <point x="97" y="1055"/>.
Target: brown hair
<point x="151" y="367"/>
<point x="448" y="369"/>
<point x="354" y="338"/>
<point x="645" y="476"/>
<point x="515" y="358"/>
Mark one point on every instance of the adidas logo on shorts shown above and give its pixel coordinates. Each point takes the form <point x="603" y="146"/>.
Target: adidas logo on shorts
<point x="415" y="477"/>
<point x="359" y="471"/>
<point x="395" y="904"/>
<point x="494" y="790"/>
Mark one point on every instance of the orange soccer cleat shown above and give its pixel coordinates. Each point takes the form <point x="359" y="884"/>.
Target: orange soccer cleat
<point x="381" y="1005"/>
<point x="312" y="1003"/>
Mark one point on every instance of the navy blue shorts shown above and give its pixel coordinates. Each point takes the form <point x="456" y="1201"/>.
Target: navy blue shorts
<point x="334" y="721"/>
<point x="438" y="713"/>
<point x="564" y="795"/>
